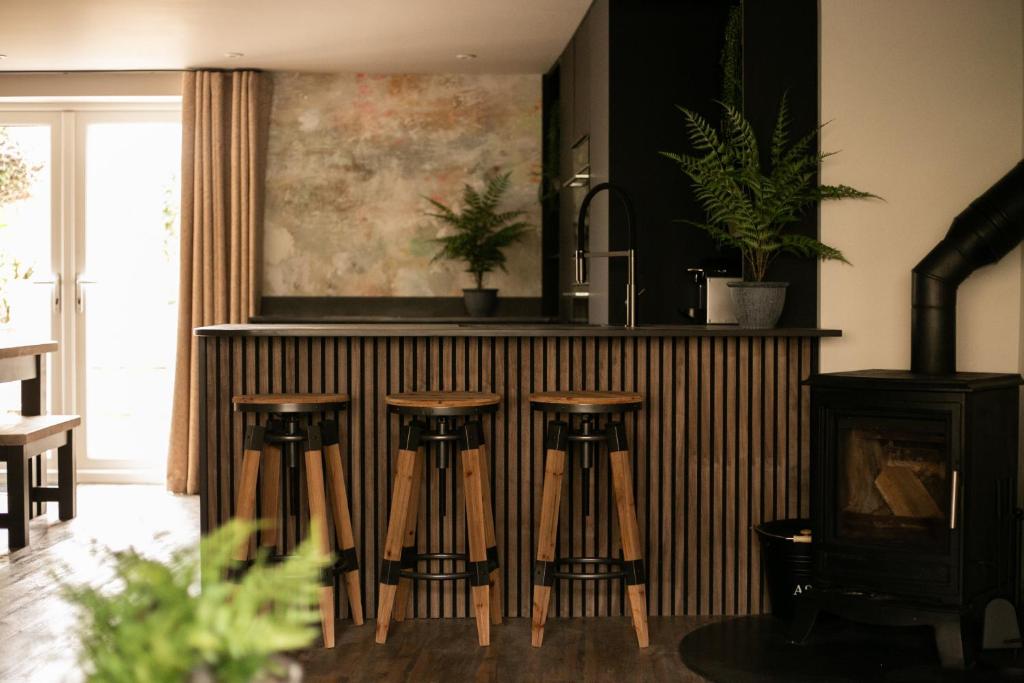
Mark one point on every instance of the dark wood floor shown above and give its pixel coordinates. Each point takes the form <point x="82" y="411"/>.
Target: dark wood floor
<point x="37" y="641"/>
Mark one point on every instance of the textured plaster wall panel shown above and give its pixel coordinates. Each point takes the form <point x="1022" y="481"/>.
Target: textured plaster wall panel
<point x="352" y="155"/>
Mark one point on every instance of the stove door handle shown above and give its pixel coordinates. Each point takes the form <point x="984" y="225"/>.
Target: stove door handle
<point x="953" y="496"/>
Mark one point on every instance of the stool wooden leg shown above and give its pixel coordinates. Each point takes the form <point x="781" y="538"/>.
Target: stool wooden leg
<point x="556" y="444"/>
<point x="67" y="479"/>
<point x="409" y="443"/>
<point x="270" y="495"/>
<point x="493" y="565"/>
<point x="622" y="486"/>
<point x="315" y="493"/>
<point x="404" y="593"/>
<point x="246" y="499"/>
<point x="18" y="473"/>
<point x="338" y="495"/>
<point x="479" y="573"/>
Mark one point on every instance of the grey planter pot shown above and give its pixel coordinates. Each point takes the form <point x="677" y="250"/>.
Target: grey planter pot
<point x="480" y="303"/>
<point x="758" y="304"/>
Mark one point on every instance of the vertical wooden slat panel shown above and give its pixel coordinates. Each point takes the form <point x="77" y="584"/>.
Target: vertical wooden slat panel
<point x="730" y="500"/>
<point x="721" y="444"/>
<point x="679" y="463"/>
<point x="692" y="469"/>
<point x="666" y="478"/>
<point x="743" y="465"/>
<point x="807" y="368"/>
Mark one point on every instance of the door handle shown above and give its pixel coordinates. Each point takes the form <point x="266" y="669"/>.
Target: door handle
<point x="80" y="283"/>
<point x="55" y="290"/>
<point x="953" y="496"/>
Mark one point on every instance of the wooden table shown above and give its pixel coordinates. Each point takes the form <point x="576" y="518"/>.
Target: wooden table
<point x="21" y="360"/>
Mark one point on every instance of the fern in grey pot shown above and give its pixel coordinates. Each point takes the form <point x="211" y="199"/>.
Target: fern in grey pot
<point x="752" y="208"/>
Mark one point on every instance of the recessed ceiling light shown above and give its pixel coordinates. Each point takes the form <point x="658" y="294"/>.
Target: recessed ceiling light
<point x="234" y="55"/>
<point x="465" y="55"/>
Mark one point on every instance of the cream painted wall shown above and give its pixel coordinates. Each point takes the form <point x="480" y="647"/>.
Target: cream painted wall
<point x="926" y="99"/>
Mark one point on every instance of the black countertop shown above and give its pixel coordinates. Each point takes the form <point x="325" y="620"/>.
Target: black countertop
<point x="497" y="329"/>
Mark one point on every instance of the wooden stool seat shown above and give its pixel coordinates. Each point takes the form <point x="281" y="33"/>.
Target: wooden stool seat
<point x="23" y="437"/>
<point x="290" y="403"/>
<point x="592" y="402"/>
<point x="442" y="402"/>
<point x="325" y="484"/>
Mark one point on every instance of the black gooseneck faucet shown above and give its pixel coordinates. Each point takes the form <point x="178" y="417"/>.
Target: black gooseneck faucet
<point x="629" y="254"/>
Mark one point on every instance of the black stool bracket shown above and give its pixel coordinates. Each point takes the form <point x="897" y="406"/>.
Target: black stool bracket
<point x="635" y="571"/>
<point x="543" y="573"/>
<point x="347" y="561"/>
<point x="329" y="432"/>
<point x="408" y="556"/>
<point x="557" y="436"/>
<point x="314" y="438"/>
<point x="492" y="558"/>
<point x="254" y="438"/>
<point x="390" y="572"/>
<point x="472" y="436"/>
<point x="479" y="574"/>
<point x="410" y="436"/>
<point x="616" y="434"/>
<point x="327" y="575"/>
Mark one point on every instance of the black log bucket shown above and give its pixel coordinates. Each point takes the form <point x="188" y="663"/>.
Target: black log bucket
<point x="786" y="557"/>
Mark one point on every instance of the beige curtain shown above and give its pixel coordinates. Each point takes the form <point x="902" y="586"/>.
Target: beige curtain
<point x="225" y="116"/>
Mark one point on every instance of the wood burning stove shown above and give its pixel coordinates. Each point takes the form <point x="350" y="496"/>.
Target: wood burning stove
<point x="914" y="489"/>
<point x="913" y="499"/>
<point x="914" y="474"/>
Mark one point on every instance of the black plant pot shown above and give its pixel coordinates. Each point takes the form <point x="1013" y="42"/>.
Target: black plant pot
<point x="480" y="303"/>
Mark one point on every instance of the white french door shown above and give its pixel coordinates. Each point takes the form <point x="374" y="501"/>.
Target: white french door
<point x="110" y="285"/>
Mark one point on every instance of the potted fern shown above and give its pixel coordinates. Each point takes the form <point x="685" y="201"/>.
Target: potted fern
<point x="750" y="208"/>
<point x="480" y="236"/>
<point x="185" y="620"/>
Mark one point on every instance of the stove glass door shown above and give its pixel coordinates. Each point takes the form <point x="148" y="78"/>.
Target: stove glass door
<point x="894" y="481"/>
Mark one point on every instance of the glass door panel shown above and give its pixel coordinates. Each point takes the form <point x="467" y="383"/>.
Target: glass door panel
<point x="127" y="287"/>
<point x="28" y="261"/>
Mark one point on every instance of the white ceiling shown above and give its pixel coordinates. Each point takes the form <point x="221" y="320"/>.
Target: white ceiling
<point x="384" y="36"/>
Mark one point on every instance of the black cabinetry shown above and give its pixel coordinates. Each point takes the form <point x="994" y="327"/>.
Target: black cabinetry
<point x="619" y="80"/>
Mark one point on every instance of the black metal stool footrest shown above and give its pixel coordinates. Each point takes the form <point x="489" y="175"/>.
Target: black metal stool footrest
<point x="631" y="571"/>
<point x="410" y="572"/>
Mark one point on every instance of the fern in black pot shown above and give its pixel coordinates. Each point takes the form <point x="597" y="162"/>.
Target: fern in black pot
<point x="481" y="233"/>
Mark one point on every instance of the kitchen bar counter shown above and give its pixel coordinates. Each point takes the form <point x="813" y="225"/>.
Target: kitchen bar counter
<point x="503" y="329"/>
<point x="720" y="445"/>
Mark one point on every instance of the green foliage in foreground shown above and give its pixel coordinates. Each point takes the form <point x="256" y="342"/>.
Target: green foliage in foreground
<point x="748" y="206"/>
<point x="158" y="622"/>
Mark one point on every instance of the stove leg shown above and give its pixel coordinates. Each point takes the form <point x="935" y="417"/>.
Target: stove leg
<point x="949" y="640"/>
<point x="803" y="621"/>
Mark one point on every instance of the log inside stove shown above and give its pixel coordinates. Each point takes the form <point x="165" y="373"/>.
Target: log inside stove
<point x="892" y="484"/>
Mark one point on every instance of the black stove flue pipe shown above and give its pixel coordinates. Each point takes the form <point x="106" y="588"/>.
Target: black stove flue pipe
<point x="988" y="229"/>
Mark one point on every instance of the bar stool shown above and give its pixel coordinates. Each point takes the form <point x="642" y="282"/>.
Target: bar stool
<point x="588" y="434"/>
<point x="286" y="431"/>
<point x="400" y="565"/>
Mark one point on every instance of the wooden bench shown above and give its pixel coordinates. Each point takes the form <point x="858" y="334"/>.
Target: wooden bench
<point x="23" y="437"/>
